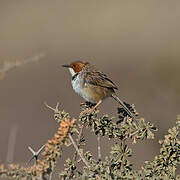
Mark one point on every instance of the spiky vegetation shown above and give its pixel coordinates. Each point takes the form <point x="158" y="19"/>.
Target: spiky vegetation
<point x="116" y="165"/>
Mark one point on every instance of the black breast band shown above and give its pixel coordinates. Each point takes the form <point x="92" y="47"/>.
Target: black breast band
<point x="74" y="77"/>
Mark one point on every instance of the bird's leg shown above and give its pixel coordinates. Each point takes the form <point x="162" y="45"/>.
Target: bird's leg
<point x="93" y="108"/>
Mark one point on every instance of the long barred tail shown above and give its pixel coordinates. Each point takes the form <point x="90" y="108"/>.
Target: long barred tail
<point x="123" y="105"/>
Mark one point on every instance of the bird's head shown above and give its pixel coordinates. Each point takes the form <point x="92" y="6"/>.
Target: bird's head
<point x="75" y="67"/>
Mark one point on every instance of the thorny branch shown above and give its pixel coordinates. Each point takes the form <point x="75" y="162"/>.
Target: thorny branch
<point x="99" y="146"/>
<point x="79" y="140"/>
<point x="75" y="146"/>
<point x="35" y="154"/>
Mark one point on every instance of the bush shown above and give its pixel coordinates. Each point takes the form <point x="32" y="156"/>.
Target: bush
<point x="114" y="166"/>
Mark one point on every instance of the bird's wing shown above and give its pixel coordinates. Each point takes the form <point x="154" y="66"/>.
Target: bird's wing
<point x="98" y="78"/>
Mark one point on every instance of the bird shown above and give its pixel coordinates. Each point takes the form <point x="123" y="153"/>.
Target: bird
<point x="93" y="85"/>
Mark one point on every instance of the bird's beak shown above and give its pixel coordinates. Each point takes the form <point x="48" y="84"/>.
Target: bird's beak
<point x="66" y="65"/>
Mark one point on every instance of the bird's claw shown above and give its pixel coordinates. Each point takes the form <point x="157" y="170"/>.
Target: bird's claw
<point x="87" y="112"/>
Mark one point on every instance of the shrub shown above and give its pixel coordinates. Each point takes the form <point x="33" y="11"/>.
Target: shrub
<point x="115" y="166"/>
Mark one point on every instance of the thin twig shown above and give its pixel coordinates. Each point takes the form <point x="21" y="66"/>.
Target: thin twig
<point x="99" y="146"/>
<point x="122" y="148"/>
<point x="78" y="141"/>
<point x="75" y="154"/>
<point x="50" y="176"/>
<point x="76" y="147"/>
<point x="54" y="109"/>
<point x="135" y="132"/>
<point x="35" y="153"/>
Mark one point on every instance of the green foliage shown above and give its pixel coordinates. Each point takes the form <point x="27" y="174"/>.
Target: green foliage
<point x="116" y="165"/>
<point x="165" y="164"/>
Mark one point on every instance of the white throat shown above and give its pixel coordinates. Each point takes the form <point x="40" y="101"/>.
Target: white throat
<point x="72" y="71"/>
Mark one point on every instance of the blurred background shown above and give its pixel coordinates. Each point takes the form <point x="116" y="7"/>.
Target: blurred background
<point x="136" y="43"/>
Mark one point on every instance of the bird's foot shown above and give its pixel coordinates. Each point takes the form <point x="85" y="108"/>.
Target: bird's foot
<point x="88" y="111"/>
<point x="92" y="108"/>
<point x="87" y="104"/>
